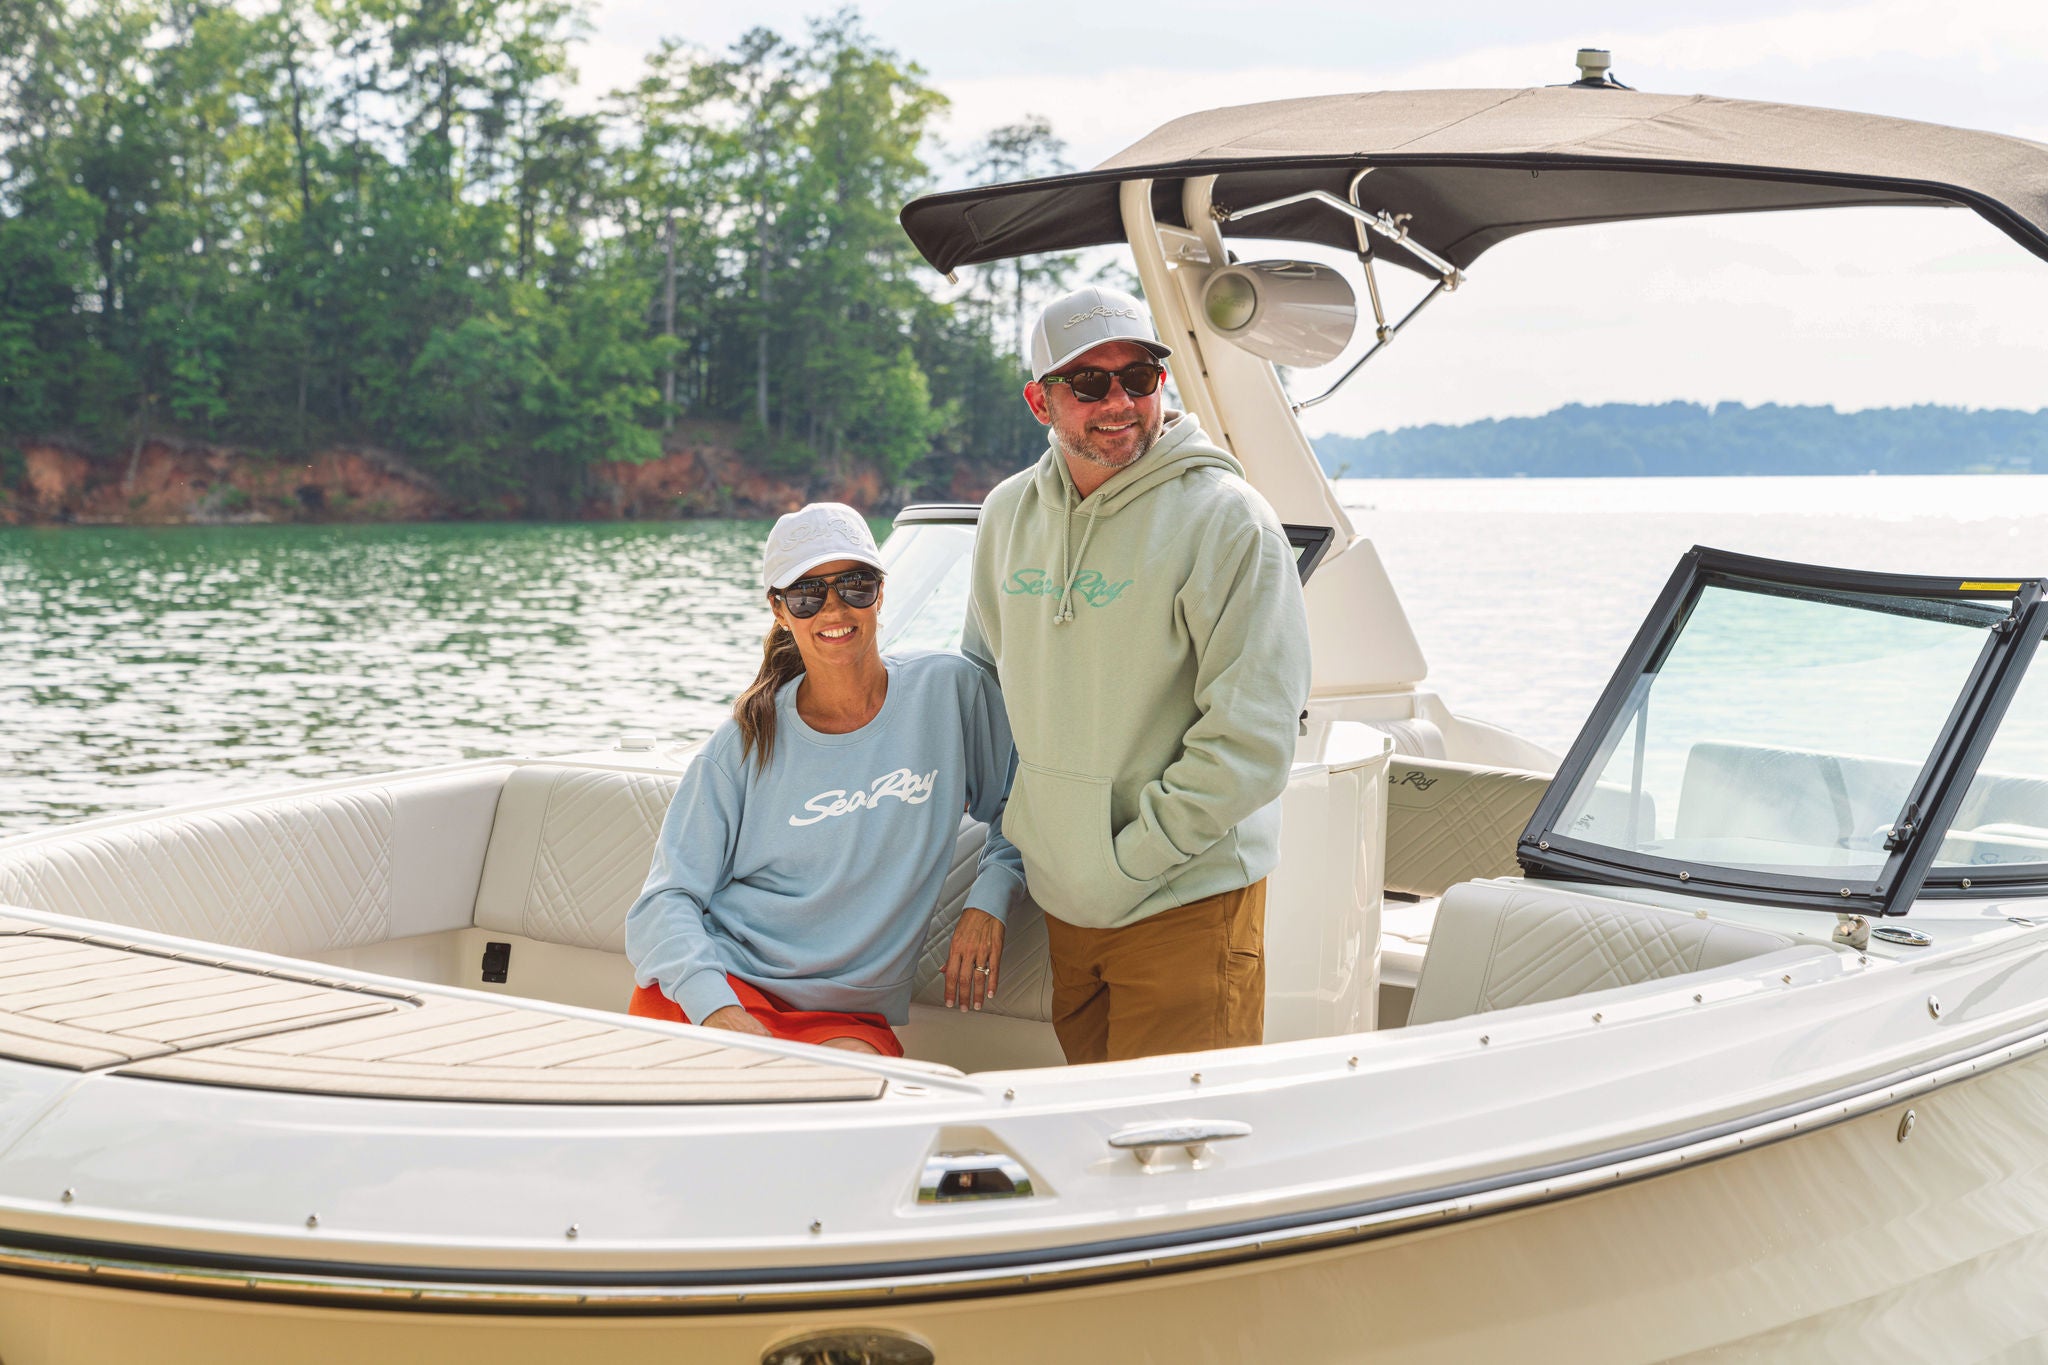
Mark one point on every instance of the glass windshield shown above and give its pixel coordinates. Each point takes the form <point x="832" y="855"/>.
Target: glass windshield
<point x="1783" y="730"/>
<point x="925" y="603"/>
<point x="2004" y="815"/>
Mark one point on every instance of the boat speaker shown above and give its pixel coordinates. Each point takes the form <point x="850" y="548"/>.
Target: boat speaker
<point x="1293" y="313"/>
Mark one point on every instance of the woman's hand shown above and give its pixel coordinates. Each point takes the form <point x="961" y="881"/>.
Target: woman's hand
<point x="976" y="956"/>
<point x="733" y="1019"/>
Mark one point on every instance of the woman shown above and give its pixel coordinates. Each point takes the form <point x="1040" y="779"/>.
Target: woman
<point x="803" y="853"/>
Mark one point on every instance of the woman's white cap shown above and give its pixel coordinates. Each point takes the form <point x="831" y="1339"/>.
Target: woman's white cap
<point x="816" y="534"/>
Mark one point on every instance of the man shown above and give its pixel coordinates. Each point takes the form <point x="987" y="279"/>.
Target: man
<point x="1138" y="601"/>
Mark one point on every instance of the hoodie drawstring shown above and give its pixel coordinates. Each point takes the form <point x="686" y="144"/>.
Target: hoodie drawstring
<point x="1065" y="610"/>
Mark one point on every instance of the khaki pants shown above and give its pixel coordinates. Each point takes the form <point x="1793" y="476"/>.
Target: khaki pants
<point x="1182" y="980"/>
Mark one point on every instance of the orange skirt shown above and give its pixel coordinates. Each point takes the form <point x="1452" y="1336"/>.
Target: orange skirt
<point x="798" y="1026"/>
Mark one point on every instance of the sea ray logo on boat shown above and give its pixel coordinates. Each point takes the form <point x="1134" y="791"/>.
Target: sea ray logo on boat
<point x="903" y="784"/>
<point x="1090" y="586"/>
<point x="1414" y="778"/>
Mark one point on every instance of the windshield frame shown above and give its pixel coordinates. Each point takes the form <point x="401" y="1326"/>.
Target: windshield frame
<point x="1932" y="801"/>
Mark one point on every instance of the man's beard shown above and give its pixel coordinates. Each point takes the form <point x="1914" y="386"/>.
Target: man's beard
<point x="1146" y="440"/>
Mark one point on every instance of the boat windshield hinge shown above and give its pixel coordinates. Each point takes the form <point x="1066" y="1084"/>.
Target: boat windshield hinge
<point x="1903" y="830"/>
<point x="1366" y="224"/>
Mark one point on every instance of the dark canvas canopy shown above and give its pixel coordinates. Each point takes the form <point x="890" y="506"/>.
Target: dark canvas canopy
<point x="1475" y="167"/>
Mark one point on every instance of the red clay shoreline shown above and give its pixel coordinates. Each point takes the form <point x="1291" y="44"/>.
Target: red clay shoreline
<point x="168" y="481"/>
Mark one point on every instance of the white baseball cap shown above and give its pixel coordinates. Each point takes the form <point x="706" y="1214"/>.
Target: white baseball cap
<point x="812" y="535"/>
<point x="1085" y="319"/>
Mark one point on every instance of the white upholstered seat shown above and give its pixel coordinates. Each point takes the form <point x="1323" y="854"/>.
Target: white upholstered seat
<point x="1499" y="944"/>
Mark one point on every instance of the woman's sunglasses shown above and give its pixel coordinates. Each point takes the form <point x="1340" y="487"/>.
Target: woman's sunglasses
<point x="805" y="598"/>
<point x="1139" y="379"/>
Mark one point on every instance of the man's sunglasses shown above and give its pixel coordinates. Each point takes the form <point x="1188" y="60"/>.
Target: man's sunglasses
<point x="1091" y="385"/>
<point x="805" y="598"/>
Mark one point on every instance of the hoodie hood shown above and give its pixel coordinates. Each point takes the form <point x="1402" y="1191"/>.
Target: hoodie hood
<point x="1182" y="446"/>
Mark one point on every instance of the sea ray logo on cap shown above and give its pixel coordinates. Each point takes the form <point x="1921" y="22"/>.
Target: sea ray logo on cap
<point x="1102" y="310"/>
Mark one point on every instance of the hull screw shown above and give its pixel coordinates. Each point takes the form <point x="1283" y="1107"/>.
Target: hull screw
<point x="312" y="1220"/>
<point x="574" y="1228"/>
<point x="1934" y="1007"/>
<point x="1352" y="1063"/>
<point x="1009" y="1094"/>
<point x="1485" y="1038"/>
<point x="817" y="1225"/>
<point x="70" y="1195"/>
<point x="1906" y="1125"/>
<point x="1195" y="1079"/>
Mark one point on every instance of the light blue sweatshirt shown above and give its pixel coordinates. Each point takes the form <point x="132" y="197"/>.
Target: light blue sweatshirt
<point x="815" y="879"/>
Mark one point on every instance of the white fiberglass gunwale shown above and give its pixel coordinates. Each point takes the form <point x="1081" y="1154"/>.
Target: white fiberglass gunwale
<point x="1631" y="1132"/>
<point x="859" y="1284"/>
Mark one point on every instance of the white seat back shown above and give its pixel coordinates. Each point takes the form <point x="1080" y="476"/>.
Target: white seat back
<point x="1499" y="944"/>
<point x="1453" y="822"/>
<point x="298" y="875"/>
<point x="569" y="852"/>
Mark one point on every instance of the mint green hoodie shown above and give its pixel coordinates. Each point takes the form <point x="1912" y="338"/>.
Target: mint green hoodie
<point x="1152" y="648"/>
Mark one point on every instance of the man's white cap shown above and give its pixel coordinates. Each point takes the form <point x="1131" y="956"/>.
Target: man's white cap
<point x="1084" y="320"/>
<point x="816" y="534"/>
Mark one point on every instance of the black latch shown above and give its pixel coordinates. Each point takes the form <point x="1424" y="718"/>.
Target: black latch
<point x="1903" y="830"/>
<point x="497" y="961"/>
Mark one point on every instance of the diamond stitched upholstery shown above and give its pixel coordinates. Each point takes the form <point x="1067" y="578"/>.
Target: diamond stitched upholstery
<point x="1453" y="822"/>
<point x="1499" y="944"/>
<point x="569" y="852"/>
<point x="292" y="876"/>
<point x="1024" y="985"/>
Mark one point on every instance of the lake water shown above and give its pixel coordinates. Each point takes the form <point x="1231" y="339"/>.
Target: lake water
<point x="140" y="667"/>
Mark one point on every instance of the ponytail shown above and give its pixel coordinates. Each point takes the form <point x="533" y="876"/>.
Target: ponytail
<point x="755" y="709"/>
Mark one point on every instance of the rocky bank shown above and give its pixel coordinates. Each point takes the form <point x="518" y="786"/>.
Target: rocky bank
<point x="167" y="481"/>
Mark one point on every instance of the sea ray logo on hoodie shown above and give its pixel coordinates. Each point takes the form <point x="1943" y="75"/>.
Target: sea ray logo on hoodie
<point x="1090" y="586"/>
<point x="903" y="784"/>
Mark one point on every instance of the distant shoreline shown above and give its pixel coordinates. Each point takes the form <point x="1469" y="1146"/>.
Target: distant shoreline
<point x="1626" y="440"/>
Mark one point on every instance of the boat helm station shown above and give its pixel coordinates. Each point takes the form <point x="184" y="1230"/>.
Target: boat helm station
<point x="1707" y="1035"/>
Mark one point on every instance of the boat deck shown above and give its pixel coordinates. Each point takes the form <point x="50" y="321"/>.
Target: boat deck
<point x="93" y="1003"/>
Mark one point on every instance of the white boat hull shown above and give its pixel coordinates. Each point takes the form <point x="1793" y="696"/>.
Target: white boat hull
<point x="1840" y="1243"/>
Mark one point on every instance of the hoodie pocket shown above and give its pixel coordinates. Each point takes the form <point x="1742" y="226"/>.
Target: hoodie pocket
<point x="1060" y="822"/>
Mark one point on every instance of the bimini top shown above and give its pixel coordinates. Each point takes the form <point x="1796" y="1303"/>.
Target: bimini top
<point x="1475" y="167"/>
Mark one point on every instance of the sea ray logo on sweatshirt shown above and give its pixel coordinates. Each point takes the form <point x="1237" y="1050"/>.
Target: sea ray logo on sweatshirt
<point x="1090" y="586"/>
<point x="903" y="784"/>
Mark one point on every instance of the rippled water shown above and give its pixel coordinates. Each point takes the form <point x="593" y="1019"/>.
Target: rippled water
<point x="141" y="667"/>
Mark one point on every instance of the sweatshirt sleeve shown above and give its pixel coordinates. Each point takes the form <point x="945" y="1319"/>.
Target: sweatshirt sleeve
<point x="1244" y="611"/>
<point x="991" y="765"/>
<point x="665" y="937"/>
<point x="999" y="878"/>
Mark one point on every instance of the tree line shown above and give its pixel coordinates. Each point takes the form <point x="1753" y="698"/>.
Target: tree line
<point x="293" y="224"/>
<point x="1688" y="438"/>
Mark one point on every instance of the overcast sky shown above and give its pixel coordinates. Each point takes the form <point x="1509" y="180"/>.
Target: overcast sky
<point x="1858" y="307"/>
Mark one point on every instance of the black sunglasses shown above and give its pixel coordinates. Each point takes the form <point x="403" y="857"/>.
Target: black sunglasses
<point x="1091" y="385"/>
<point x="805" y="598"/>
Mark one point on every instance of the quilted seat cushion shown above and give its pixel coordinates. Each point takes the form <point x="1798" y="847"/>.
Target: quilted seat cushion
<point x="1452" y="822"/>
<point x="293" y="875"/>
<point x="1500" y="944"/>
